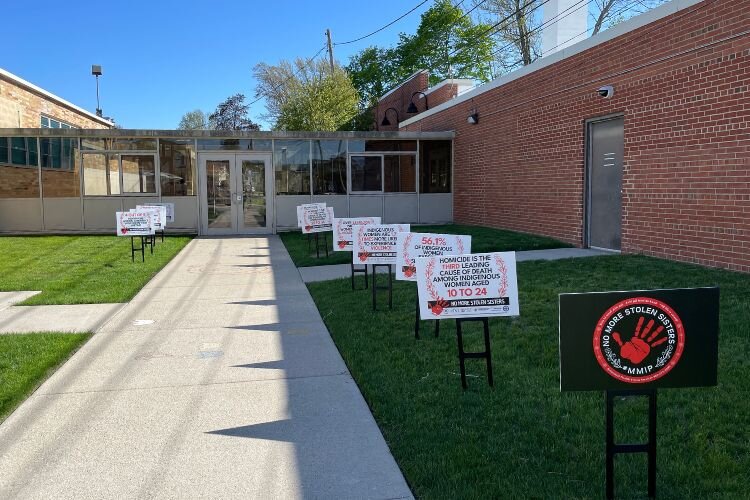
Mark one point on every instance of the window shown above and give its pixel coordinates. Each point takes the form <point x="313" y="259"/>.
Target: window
<point x="59" y="152"/>
<point x="362" y="146"/>
<point x="329" y="167"/>
<point x="389" y="173"/>
<point x="4" y="150"/>
<point x="400" y="173"/>
<point x="435" y="166"/>
<point x="104" y="173"/>
<point x="134" y="144"/>
<point x="19" y="151"/>
<point x="95" y="174"/>
<point x="60" y="167"/>
<point x="48" y="122"/>
<point x="291" y="162"/>
<point x="138" y="174"/>
<point x="367" y="173"/>
<point x="177" y="167"/>
<point x="19" y="182"/>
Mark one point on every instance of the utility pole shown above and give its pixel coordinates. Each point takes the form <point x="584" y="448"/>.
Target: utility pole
<point x="330" y="48"/>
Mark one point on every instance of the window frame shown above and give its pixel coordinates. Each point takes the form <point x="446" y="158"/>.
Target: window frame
<point x="63" y="125"/>
<point x="119" y="154"/>
<point x="382" y="155"/>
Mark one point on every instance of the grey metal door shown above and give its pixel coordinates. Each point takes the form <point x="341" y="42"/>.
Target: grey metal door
<point x="605" y="150"/>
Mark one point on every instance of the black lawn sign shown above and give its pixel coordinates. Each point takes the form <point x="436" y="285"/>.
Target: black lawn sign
<point x="633" y="343"/>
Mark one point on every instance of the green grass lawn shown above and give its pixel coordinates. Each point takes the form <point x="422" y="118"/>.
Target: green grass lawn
<point x="524" y="439"/>
<point x="26" y="360"/>
<point x="80" y="269"/>
<point x="483" y="239"/>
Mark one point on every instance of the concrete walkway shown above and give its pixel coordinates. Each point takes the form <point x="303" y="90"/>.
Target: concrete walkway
<point x="325" y="273"/>
<point x="76" y="318"/>
<point x="219" y="380"/>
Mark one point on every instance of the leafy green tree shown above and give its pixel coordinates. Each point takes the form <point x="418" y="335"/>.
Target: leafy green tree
<point x="306" y="95"/>
<point x="447" y="43"/>
<point x="232" y="114"/>
<point x="194" y="120"/>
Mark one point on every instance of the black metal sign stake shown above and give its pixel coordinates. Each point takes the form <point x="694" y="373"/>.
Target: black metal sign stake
<point x="317" y="244"/>
<point x="133" y="249"/>
<point x="614" y="449"/>
<point x="417" y="319"/>
<point x="375" y="287"/>
<point x="361" y="270"/>
<point x="487" y="354"/>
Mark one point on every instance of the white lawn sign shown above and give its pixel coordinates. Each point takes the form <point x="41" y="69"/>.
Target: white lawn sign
<point x="317" y="221"/>
<point x="343" y="237"/>
<point x="306" y="207"/>
<point x="163" y="214"/>
<point x="156" y="219"/>
<point x="460" y="286"/>
<point x="414" y="245"/>
<point x="136" y="223"/>
<point x="169" y="207"/>
<point x="376" y="244"/>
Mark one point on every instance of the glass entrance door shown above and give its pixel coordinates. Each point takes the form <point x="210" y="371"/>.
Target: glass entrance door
<point x="234" y="193"/>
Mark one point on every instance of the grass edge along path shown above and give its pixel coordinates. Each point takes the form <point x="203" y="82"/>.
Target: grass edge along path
<point x="28" y="359"/>
<point x="483" y="239"/>
<point x="525" y="439"/>
<point x="80" y="269"/>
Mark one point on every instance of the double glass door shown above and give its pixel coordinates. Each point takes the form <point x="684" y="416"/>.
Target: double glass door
<point x="237" y="196"/>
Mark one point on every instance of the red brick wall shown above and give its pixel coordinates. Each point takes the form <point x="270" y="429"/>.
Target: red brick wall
<point x="683" y="86"/>
<point x="438" y="96"/>
<point x="400" y="100"/>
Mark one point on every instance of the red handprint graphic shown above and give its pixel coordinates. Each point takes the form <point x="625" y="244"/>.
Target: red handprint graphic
<point x="409" y="271"/>
<point x="342" y="244"/>
<point x="437" y="307"/>
<point x="639" y="346"/>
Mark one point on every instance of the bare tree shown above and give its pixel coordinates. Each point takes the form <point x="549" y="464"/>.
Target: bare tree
<point x="518" y="24"/>
<point x="607" y="13"/>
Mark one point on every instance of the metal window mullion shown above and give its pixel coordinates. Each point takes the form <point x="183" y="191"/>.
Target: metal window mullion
<point x="309" y="163"/>
<point x="119" y="167"/>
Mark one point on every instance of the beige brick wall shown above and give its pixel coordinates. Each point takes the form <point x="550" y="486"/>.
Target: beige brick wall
<point x="22" y="107"/>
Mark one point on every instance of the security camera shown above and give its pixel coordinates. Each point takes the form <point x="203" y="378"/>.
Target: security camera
<point x="606" y="92"/>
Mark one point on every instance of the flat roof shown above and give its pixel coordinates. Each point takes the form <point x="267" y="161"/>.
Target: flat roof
<point x="223" y="134"/>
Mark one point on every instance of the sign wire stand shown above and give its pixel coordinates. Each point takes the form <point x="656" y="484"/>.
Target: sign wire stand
<point x="375" y="287"/>
<point x="133" y="249"/>
<point x="362" y="270"/>
<point x="417" y="319"/>
<point x="615" y="449"/>
<point x="317" y="244"/>
<point x="462" y="355"/>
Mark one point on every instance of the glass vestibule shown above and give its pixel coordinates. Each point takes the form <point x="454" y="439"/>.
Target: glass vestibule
<point x="236" y="190"/>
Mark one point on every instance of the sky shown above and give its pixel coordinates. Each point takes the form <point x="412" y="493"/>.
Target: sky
<point x="163" y="58"/>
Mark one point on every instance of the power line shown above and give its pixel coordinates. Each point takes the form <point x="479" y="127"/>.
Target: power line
<point x="293" y="75"/>
<point x="547" y="24"/>
<point x="384" y="27"/>
<point x="488" y="31"/>
<point x="631" y="41"/>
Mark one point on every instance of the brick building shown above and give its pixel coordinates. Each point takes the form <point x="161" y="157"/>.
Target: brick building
<point x="24" y="105"/>
<point x="660" y="167"/>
